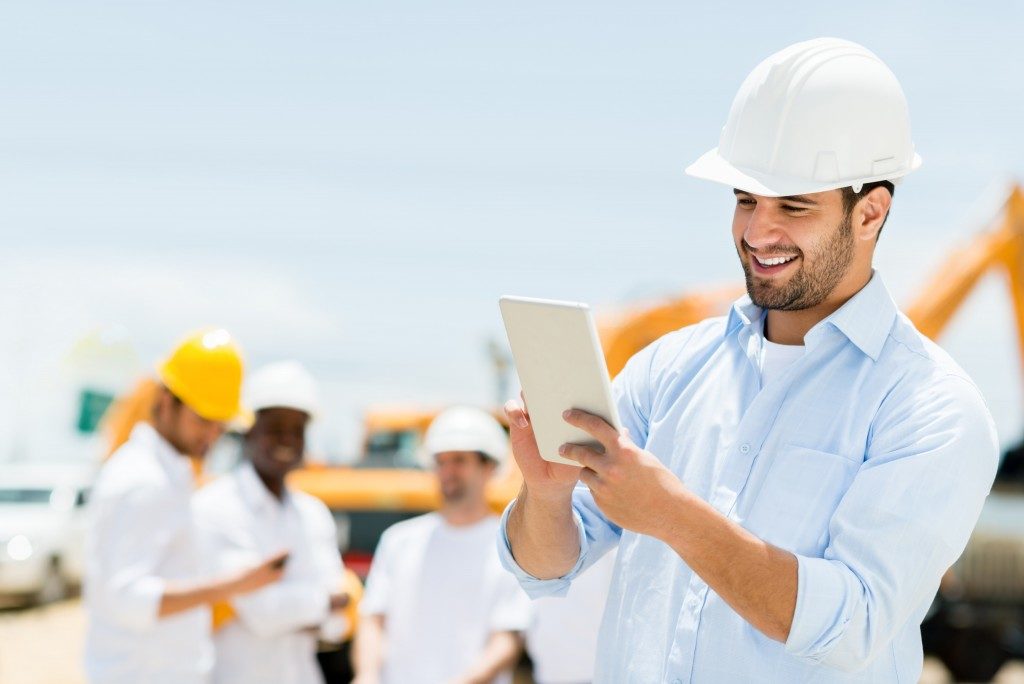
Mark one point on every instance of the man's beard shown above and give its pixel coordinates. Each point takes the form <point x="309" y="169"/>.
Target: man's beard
<point x="454" y="492"/>
<point x="813" y="282"/>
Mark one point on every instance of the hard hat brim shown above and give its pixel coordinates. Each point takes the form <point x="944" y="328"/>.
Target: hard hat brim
<point x="245" y="419"/>
<point x="713" y="167"/>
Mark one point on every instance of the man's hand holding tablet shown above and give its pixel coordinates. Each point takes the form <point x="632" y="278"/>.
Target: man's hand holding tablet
<point x="573" y="421"/>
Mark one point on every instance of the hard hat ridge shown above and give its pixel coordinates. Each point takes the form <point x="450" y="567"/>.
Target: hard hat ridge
<point x="815" y="116"/>
<point x="283" y="384"/>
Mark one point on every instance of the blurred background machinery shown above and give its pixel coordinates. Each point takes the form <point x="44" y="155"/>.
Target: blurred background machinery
<point x="975" y="625"/>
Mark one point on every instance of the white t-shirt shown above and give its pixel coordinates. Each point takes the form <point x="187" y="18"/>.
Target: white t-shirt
<point x="562" y="639"/>
<point x="442" y="592"/>
<point x="776" y="358"/>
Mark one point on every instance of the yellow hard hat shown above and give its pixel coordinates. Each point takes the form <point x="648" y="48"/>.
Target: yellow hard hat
<point x="205" y="372"/>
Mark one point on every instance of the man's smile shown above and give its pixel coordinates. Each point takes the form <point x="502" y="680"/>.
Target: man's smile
<point x="768" y="266"/>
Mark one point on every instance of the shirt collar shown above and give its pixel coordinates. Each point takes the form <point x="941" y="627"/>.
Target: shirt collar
<point x="865" y="319"/>
<point x="254" y="491"/>
<point x="742" y="315"/>
<point x="177" y="466"/>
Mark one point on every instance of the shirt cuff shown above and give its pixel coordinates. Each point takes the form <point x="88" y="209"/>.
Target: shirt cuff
<point x="534" y="587"/>
<point x="139" y="604"/>
<point x="822" y="608"/>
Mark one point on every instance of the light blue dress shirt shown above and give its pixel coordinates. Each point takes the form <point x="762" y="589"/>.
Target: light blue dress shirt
<point x="869" y="458"/>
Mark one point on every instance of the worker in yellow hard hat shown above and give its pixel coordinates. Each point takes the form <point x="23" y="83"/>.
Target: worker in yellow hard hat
<point x="147" y="595"/>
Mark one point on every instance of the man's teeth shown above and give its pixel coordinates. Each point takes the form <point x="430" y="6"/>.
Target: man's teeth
<point x="775" y="261"/>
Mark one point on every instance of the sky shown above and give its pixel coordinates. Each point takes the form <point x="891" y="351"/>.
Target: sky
<point x="354" y="184"/>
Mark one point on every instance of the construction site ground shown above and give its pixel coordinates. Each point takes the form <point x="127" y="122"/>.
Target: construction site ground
<point x="44" y="646"/>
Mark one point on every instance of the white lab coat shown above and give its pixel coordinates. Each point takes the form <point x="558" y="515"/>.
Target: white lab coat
<point x="274" y="635"/>
<point x="142" y="536"/>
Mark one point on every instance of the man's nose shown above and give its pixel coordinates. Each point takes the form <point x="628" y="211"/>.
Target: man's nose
<point x="762" y="229"/>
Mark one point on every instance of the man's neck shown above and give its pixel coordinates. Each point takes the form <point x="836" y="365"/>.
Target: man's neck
<point x="166" y="436"/>
<point x="790" y="327"/>
<point x="464" y="515"/>
<point x="274" y="485"/>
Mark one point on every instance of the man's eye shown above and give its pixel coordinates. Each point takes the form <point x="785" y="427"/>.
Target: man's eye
<point x="790" y="208"/>
<point x="744" y="201"/>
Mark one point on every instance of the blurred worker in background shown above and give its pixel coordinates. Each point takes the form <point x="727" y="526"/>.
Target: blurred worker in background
<point x="438" y="607"/>
<point x="271" y="634"/>
<point x="147" y="592"/>
<point x="562" y="638"/>
<point x="793" y="479"/>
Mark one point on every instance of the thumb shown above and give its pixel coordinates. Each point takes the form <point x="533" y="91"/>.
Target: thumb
<point x="518" y="420"/>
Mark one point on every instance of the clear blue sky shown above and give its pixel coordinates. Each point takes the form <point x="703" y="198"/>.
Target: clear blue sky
<point x="354" y="184"/>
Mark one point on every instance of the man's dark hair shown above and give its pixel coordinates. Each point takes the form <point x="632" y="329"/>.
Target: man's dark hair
<point x="850" y="198"/>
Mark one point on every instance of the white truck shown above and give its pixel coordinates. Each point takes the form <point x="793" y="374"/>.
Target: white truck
<point x="42" y="527"/>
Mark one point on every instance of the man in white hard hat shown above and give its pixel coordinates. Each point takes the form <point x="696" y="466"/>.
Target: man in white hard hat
<point x="271" y="635"/>
<point x="795" y="477"/>
<point x="438" y="607"/>
<point x="147" y="587"/>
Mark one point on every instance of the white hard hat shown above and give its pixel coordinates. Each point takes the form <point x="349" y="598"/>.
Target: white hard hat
<point x="285" y="384"/>
<point x="464" y="428"/>
<point x="816" y="116"/>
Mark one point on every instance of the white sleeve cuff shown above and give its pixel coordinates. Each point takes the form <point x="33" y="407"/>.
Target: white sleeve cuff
<point x="137" y="605"/>
<point x="534" y="587"/>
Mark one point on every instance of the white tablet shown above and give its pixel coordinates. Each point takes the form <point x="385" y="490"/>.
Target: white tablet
<point x="561" y="366"/>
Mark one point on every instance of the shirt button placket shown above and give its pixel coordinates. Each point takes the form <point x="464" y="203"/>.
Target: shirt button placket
<point x="681" y="653"/>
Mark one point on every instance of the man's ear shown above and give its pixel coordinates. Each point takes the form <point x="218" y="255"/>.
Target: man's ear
<point x="870" y="212"/>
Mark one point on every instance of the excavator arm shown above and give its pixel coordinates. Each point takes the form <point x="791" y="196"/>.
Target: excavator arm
<point x="1001" y="245"/>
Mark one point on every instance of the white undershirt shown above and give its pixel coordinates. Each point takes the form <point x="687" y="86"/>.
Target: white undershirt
<point x="776" y="358"/>
<point x="443" y="593"/>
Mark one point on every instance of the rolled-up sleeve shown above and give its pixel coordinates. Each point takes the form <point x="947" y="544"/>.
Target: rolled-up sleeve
<point x="133" y="534"/>
<point x="597" y="536"/>
<point x="903" y="522"/>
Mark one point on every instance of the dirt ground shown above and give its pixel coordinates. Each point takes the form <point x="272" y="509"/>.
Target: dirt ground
<point x="44" y="646"/>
